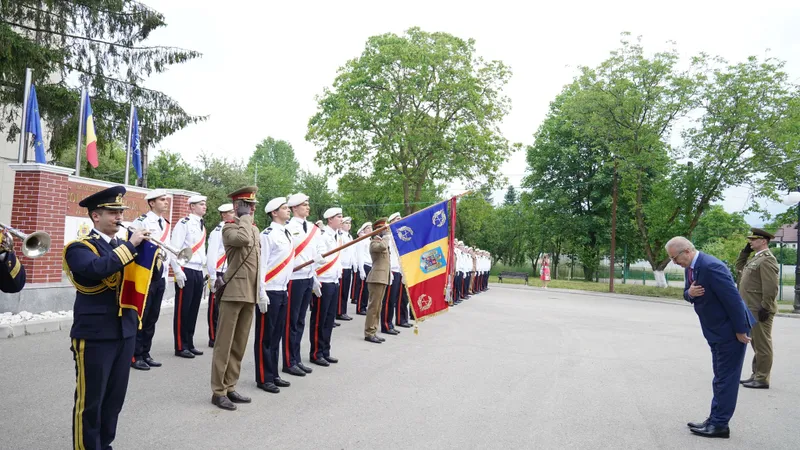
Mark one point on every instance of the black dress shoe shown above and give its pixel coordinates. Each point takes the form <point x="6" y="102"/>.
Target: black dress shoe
<point x="336" y="324"/>
<point x="304" y="367"/>
<point x="380" y="338"/>
<point x="196" y="351"/>
<point x="746" y="381"/>
<point x="405" y="325"/>
<point x="331" y="359"/>
<point x="756" y="384"/>
<point x="140" y="365"/>
<point x="294" y="370"/>
<point x="320" y="362"/>
<point x="712" y="431"/>
<point x="372" y="339"/>
<point x="211" y="343"/>
<point x="391" y="331"/>
<point x="269" y="387"/>
<point x="236" y="397"/>
<point x="281" y="382"/>
<point x="361" y="313"/>
<point x="346" y="317"/>
<point x="223" y="402"/>
<point x="152" y="362"/>
<point x="185" y="354"/>
<point x="697" y="424"/>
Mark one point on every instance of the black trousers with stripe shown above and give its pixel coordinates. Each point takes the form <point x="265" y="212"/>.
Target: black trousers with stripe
<point x="323" y="312"/>
<point x="402" y="306"/>
<point x="102" y="369"/>
<point x="345" y="284"/>
<point x="390" y="303"/>
<point x="213" y="312"/>
<point x="363" y="291"/>
<point x="187" y="306"/>
<point x="270" y="327"/>
<point x="152" y="309"/>
<point x="299" y="299"/>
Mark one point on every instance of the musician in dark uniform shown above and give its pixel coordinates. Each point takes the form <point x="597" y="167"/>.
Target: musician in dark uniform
<point x="12" y="272"/>
<point x="103" y="333"/>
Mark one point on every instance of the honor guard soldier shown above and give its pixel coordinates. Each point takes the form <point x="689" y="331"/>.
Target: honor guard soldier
<point x="242" y="291"/>
<point x="277" y="263"/>
<point x="758" y="286"/>
<point x="216" y="263"/>
<point x="158" y="226"/>
<point x="12" y="272"/>
<point x="347" y="261"/>
<point x="378" y="280"/>
<point x="103" y="332"/>
<point x="305" y="238"/>
<point x="363" y="265"/>
<point x="323" y="307"/>
<point x="395" y="285"/>
<point x="402" y="316"/>
<point x="189" y="280"/>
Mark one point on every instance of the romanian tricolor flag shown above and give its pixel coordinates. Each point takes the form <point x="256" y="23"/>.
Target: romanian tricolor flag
<point x="423" y="244"/>
<point x="136" y="279"/>
<point x="91" y="137"/>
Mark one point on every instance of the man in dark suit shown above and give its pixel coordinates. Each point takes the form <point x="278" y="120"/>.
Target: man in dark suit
<point x="12" y="272"/>
<point x="103" y="332"/>
<point x="726" y="323"/>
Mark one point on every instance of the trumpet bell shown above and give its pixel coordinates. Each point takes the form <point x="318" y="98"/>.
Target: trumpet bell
<point x="36" y="244"/>
<point x="184" y="256"/>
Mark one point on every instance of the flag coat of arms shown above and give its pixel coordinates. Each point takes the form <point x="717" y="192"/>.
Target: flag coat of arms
<point x="136" y="279"/>
<point x="422" y="241"/>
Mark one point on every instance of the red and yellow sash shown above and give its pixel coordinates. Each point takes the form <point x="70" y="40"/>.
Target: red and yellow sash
<point x="277" y="269"/>
<point x="328" y="265"/>
<point x="220" y="262"/>
<point x="166" y="234"/>
<point x="200" y="243"/>
<point x="307" y="241"/>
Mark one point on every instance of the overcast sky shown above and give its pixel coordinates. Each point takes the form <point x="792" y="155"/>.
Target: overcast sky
<point x="263" y="62"/>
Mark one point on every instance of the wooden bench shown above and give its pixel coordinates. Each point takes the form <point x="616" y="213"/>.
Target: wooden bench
<point x="520" y="275"/>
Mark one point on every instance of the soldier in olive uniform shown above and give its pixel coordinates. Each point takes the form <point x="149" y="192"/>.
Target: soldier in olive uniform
<point x="758" y="286"/>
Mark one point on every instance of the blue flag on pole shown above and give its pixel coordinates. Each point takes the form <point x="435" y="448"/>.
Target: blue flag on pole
<point x="135" y="150"/>
<point x="33" y="125"/>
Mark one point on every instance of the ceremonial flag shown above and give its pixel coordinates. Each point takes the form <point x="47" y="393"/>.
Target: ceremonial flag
<point x="135" y="151"/>
<point x="91" y="137"/>
<point x="33" y="125"/>
<point x="136" y="278"/>
<point x="423" y="245"/>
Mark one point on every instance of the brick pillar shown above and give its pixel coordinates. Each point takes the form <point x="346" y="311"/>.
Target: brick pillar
<point x="40" y="193"/>
<point x="180" y="206"/>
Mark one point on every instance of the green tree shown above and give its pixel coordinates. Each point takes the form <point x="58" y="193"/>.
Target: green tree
<point x="511" y="196"/>
<point x="97" y="43"/>
<point x="716" y="223"/>
<point x="320" y="197"/>
<point x="422" y="105"/>
<point x="216" y="178"/>
<point x="168" y="170"/>
<point x="273" y="168"/>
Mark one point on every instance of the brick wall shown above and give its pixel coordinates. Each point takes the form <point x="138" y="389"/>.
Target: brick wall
<point x="39" y="206"/>
<point x="180" y="208"/>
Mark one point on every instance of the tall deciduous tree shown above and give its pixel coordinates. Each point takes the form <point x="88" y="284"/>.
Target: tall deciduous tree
<point x="273" y="168"/>
<point x="92" y="42"/>
<point x="422" y="105"/>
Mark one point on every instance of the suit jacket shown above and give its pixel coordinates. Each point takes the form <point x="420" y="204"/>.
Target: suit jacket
<point x="12" y="273"/>
<point x="721" y="310"/>
<point x="95" y="269"/>
<point x="758" y="281"/>
<point x="243" y="250"/>
<point x="379" y="251"/>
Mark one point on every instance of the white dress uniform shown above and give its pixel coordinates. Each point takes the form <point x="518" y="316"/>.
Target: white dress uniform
<point x="216" y="265"/>
<point x="323" y="309"/>
<point x="346" y="280"/>
<point x="188" y="232"/>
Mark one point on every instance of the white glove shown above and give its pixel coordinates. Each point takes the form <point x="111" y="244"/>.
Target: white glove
<point x="180" y="278"/>
<point x="317" y="289"/>
<point x="362" y="273"/>
<point x="391" y="278"/>
<point x="263" y="303"/>
<point x="320" y="260"/>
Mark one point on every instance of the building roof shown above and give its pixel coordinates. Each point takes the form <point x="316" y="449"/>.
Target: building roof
<point x="786" y="234"/>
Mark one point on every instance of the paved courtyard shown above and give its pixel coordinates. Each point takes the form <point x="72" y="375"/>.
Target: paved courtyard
<point x="514" y="367"/>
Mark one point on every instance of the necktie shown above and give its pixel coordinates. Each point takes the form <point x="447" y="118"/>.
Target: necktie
<point x="114" y="242"/>
<point x="305" y="230"/>
<point x="159" y="224"/>
<point x="202" y="224"/>
<point x="691" y="275"/>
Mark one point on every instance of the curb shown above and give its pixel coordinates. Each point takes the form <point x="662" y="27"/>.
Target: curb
<point x="17" y="330"/>
<point x="637" y="298"/>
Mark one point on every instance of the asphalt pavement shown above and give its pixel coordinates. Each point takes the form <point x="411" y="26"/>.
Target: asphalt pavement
<point x="514" y="367"/>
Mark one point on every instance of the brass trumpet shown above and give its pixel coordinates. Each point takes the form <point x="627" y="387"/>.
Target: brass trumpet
<point x="182" y="256"/>
<point x="34" y="245"/>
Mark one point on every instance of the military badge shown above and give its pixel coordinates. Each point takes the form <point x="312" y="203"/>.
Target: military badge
<point x="432" y="260"/>
<point x="405" y="233"/>
<point x="439" y="218"/>
<point x="424" y="302"/>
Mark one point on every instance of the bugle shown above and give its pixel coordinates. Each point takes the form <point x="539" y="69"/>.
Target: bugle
<point x="182" y="256"/>
<point x="34" y="245"/>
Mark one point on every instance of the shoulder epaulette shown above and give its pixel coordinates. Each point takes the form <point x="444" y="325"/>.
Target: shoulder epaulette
<point x="142" y="217"/>
<point x="267" y="231"/>
<point x="219" y="228"/>
<point x="185" y="219"/>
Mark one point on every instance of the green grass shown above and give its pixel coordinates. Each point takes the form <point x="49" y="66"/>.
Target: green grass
<point x="630" y="289"/>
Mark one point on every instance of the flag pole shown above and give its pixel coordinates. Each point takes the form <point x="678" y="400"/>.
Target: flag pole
<point x="374" y="232"/>
<point x="22" y="157"/>
<point x="128" y="148"/>
<point x="80" y="132"/>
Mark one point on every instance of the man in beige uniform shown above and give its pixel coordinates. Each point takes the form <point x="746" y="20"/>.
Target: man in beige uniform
<point x="758" y="286"/>
<point x="377" y="282"/>
<point x="241" y="292"/>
